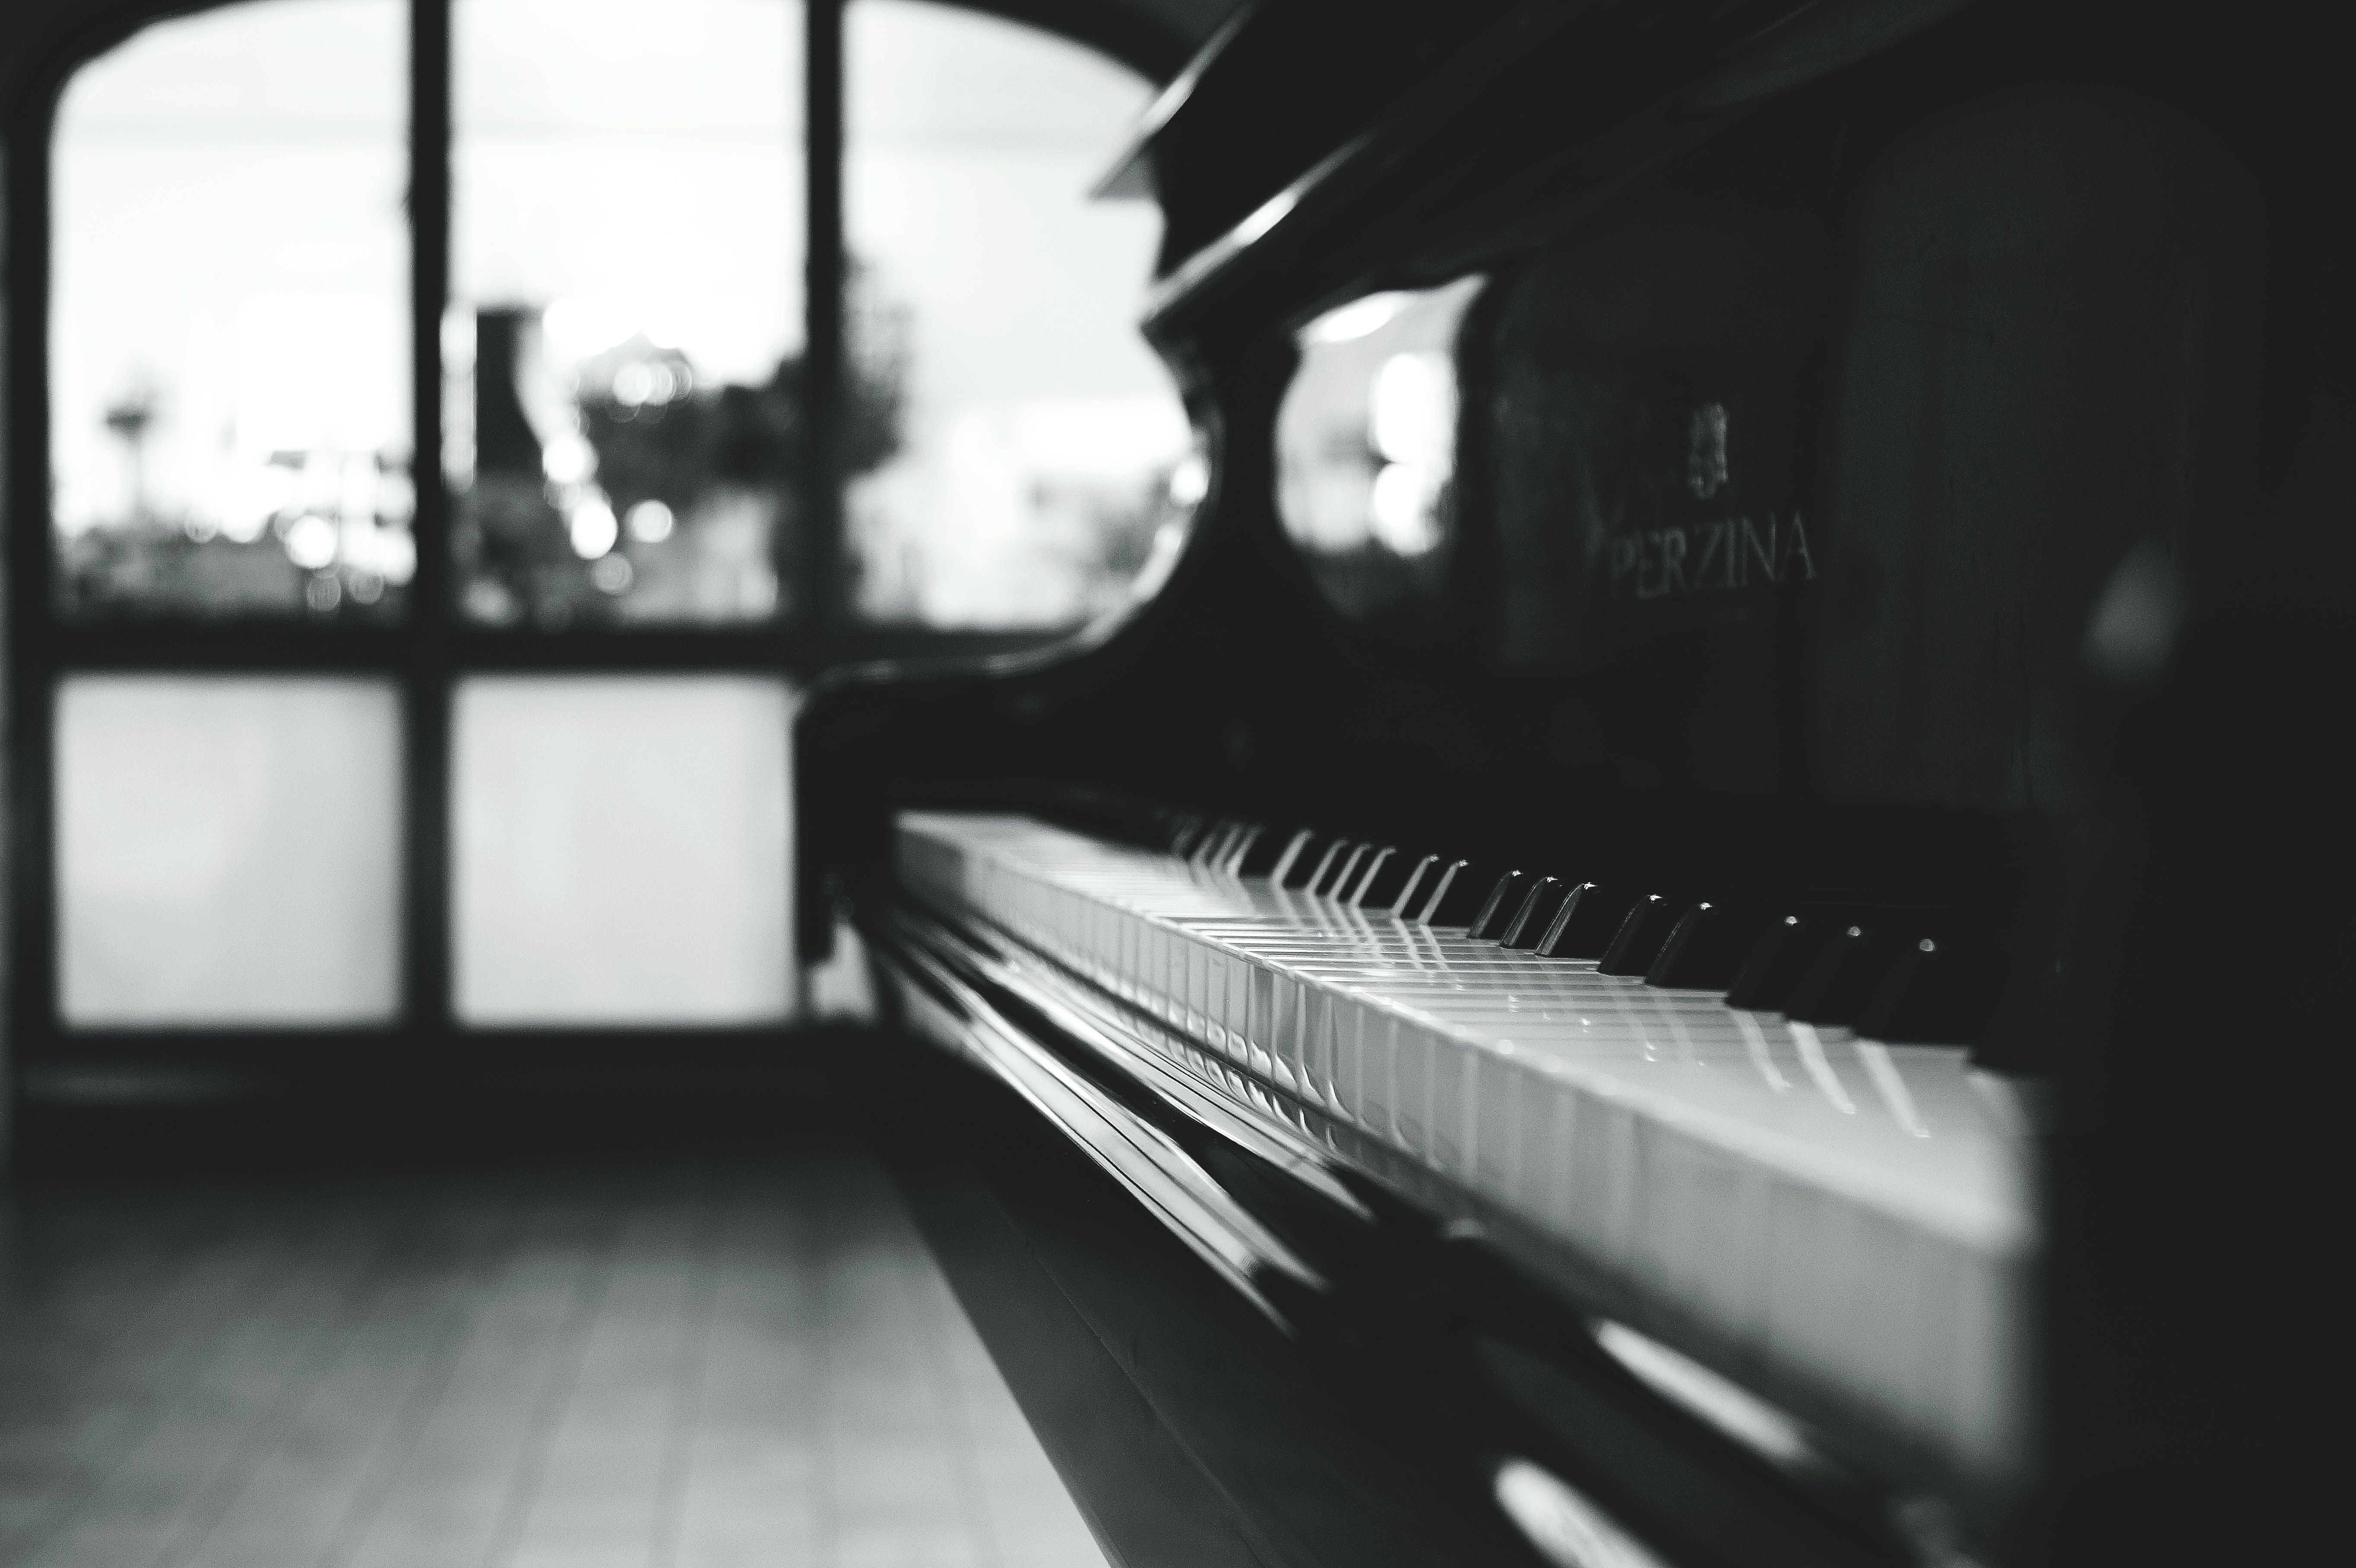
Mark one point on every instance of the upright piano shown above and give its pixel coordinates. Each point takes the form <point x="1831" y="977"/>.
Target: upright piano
<point x="1697" y="921"/>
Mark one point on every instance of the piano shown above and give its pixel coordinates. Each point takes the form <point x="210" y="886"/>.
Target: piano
<point x="1699" y="923"/>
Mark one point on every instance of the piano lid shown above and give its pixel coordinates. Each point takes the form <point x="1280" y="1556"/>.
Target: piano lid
<point x="1279" y="86"/>
<point x="1360" y="124"/>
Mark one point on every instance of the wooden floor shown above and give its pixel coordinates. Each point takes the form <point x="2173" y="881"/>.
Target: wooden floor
<point x="697" y="1354"/>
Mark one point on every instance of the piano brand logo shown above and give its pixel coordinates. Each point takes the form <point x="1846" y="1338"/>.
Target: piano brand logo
<point x="1710" y="556"/>
<point x="1706" y="470"/>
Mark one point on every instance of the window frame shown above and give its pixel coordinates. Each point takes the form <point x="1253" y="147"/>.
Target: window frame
<point x="433" y="647"/>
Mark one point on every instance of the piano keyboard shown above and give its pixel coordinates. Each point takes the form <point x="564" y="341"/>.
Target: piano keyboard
<point x="1842" y="1225"/>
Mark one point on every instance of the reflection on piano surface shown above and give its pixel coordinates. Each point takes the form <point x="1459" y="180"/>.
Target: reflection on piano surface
<point x="1644" y="922"/>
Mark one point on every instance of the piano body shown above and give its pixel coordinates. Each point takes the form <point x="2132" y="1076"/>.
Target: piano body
<point x="1697" y="924"/>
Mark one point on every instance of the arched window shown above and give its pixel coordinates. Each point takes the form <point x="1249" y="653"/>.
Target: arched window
<point x="457" y="427"/>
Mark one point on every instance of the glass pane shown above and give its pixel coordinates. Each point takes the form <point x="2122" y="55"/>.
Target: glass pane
<point x="1015" y="440"/>
<point x="1366" y="454"/>
<point x="228" y="850"/>
<point x="230" y="383"/>
<point x="620" y="850"/>
<point x="626" y="254"/>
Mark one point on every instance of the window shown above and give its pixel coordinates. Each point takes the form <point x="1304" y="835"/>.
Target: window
<point x="1011" y="459"/>
<point x="627" y="325"/>
<point x="226" y="849"/>
<point x="434" y="511"/>
<point x="230" y="408"/>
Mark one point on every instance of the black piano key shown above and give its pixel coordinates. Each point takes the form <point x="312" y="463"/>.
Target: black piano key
<point x="1202" y="829"/>
<point x="1459" y="890"/>
<point x="1311" y="860"/>
<point x="1847" y="972"/>
<point x="1420" y="879"/>
<point x="1380" y="882"/>
<point x="1276" y="854"/>
<point x="1497" y="912"/>
<point x="1353" y="891"/>
<point x="1232" y="860"/>
<point x="1211" y="845"/>
<point x="1587" y="921"/>
<point x="1644" y="931"/>
<point x="1207" y="848"/>
<point x="1183" y="831"/>
<point x="1338" y="878"/>
<point x="1779" y="962"/>
<point x="1705" y="949"/>
<point x="1938" y="992"/>
<point x="1531" y="921"/>
<point x="1319" y="869"/>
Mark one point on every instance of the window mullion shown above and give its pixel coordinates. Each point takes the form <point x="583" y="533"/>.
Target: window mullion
<point x="427" y="674"/>
<point x="818" y="570"/>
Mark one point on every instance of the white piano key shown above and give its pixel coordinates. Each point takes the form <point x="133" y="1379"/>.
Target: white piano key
<point x="1315" y="1041"/>
<point x="1411" y="1089"/>
<point x="1382" y="1110"/>
<point x="1496" y="1090"/>
<point x="1548" y="1147"/>
<point x="1347" y="1035"/>
<point x="1451" y="1145"/>
<point x="1234" y="1010"/>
